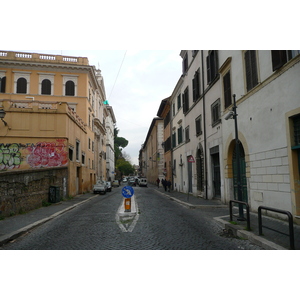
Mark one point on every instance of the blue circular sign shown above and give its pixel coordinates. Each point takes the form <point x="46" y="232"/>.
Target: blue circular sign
<point x="127" y="192"/>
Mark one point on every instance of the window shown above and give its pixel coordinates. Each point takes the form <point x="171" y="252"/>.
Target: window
<point x="173" y="107"/>
<point x="70" y="88"/>
<point x="46" y="87"/>
<point x="280" y="57"/>
<point x="185" y="100"/>
<point x="71" y="150"/>
<point x="174" y="140"/>
<point x="179" y="131"/>
<point x="196" y="85"/>
<point x="187" y="134"/>
<point x="167" y="144"/>
<point x="227" y="89"/>
<point x="212" y="65"/>
<point x="215" y="112"/>
<point x="2" y="84"/>
<point x="251" y="69"/>
<point x="296" y="147"/>
<point x="77" y="150"/>
<point x="21" y="86"/>
<point x="185" y="64"/>
<point x="167" y="120"/>
<point x="198" y="125"/>
<point x="179" y="102"/>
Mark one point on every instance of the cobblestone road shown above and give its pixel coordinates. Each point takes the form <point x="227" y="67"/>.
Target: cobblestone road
<point x="162" y="225"/>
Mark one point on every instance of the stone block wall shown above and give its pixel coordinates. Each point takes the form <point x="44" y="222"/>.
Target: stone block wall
<point x="22" y="191"/>
<point x="270" y="179"/>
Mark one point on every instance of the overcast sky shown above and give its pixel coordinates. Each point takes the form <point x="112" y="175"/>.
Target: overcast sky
<point x="136" y="81"/>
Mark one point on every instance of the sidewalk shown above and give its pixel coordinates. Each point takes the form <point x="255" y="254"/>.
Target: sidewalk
<point x="13" y="227"/>
<point x="270" y="239"/>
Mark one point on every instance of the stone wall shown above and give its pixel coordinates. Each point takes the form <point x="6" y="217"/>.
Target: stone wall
<point x="22" y="191"/>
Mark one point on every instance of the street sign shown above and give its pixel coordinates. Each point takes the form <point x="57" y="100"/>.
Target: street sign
<point x="191" y="159"/>
<point x="127" y="192"/>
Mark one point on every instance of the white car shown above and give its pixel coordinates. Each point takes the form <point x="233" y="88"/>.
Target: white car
<point x="143" y="182"/>
<point x="100" y="187"/>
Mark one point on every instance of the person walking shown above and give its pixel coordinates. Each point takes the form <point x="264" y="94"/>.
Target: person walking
<point x="169" y="185"/>
<point x="158" y="181"/>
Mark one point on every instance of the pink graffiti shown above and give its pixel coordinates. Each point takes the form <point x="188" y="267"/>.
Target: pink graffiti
<point x="47" y="155"/>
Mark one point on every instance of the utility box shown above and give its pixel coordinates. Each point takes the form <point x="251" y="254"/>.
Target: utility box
<point x="54" y="194"/>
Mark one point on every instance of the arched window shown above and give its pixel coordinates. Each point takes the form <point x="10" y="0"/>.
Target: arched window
<point x="21" y="86"/>
<point x="2" y="84"/>
<point x="46" y="87"/>
<point x="70" y="88"/>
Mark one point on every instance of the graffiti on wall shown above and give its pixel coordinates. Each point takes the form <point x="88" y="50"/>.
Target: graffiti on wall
<point x="10" y="156"/>
<point x="39" y="155"/>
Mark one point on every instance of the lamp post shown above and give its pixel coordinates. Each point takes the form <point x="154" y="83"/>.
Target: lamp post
<point x="233" y="115"/>
<point x="2" y="116"/>
<point x="237" y="151"/>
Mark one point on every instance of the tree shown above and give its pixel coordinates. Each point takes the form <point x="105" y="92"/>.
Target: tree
<point x="124" y="167"/>
<point x="120" y="144"/>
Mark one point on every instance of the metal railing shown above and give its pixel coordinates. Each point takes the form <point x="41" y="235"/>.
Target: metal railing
<point x="291" y="226"/>
<point x="247" y="209"/>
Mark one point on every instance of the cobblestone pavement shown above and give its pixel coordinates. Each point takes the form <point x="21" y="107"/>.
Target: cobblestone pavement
<point x="161" y="225"/>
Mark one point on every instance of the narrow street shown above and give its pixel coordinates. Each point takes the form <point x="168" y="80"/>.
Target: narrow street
<point x="159" y="224"/>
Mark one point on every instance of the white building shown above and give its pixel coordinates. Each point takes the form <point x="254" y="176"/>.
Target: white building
<point x="266" y="84"/>
<point x="110" y="123"/>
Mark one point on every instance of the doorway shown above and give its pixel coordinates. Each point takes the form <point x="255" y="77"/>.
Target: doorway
<point x="243" y="174"/>
<point x="216" y="173"/>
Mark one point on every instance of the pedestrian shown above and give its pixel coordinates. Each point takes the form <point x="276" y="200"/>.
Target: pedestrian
<point x="164" y="183"/>
<point x="158" y="181"/>
<point x="169" y="185"/>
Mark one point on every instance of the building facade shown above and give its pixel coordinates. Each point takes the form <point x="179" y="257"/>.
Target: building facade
<point x="265" y="85"/>
<point x="54" y="118"/>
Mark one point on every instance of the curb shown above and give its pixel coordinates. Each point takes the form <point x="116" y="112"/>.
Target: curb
<point x="237" y="231"/>
<point x="11" y="236"/>
<point x="191" y="206"/>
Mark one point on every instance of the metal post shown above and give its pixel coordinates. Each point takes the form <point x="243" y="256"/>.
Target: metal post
<point x="237" y="150"/>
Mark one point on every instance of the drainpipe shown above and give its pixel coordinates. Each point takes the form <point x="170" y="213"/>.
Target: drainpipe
<point x="204" y="126"/>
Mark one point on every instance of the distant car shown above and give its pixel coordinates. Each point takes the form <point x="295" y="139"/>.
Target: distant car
<point x="143" y="182"/>
<point x="108" y="185"/>
<point x="131" y="182"/>
<point x="100" y="187"/>
<point x="115" y="183"/>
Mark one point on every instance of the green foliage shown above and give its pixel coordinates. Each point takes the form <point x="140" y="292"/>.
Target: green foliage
<point x="124" y="167"/>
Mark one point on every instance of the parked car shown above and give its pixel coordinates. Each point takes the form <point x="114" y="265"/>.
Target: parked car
<point x="100" y="187"/>
<point x="108" y="184"/>
<point x="115" y="183"/>
<point x="143" y="182"/>
<point x="131" y="182"/>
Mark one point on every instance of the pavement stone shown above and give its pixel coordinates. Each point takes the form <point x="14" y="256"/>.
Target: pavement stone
<point x="15" y="226"/>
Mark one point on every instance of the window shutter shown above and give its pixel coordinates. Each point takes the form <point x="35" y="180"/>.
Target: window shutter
<point x="279" y="58"/>
<point x="208" y="70"/>
<point x="254" y="68"/>
<point x="248" y="70"/>
<point x="227" y="90"/>
<point x="183" y="102"/>
<point x="194" y="89"/>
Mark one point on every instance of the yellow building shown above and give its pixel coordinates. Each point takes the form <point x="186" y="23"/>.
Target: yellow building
<point x="54" y="116"/>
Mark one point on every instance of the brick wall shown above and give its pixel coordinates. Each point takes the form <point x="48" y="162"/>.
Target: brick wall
<point x="22" y="191"/>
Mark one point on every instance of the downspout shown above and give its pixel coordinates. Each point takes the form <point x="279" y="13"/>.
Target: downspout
<point x="204" y="126"/>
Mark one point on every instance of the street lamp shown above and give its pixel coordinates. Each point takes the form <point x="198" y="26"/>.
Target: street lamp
<point x="233" y="115"/>
<point x="2" y="116"/>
